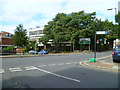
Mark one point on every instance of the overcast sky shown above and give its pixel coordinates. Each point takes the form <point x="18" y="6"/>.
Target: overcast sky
<point x="32" y="13"/>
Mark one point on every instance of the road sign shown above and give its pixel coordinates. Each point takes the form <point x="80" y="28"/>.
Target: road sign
<point x="101" y="32"/>
<point x="84" y="41"/>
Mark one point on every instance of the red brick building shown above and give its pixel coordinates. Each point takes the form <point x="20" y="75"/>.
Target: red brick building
<point x="6" y="39"/>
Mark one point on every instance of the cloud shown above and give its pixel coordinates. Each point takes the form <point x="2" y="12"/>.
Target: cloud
<point x="33" y="13"/>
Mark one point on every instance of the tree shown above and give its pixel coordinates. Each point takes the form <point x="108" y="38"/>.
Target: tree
<point x="71" y="27"/>
<point x="117" y="19"/>
<point x="68" y="27"/>
<point x="20" y="37"/>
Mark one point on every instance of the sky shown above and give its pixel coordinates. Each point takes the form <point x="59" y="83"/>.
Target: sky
<point x="32" y="13"/>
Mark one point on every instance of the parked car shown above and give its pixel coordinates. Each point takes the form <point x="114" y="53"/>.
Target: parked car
<point x="116" y="53"/>
<point x="33" y="52"/>
<point x="43" y="52"/>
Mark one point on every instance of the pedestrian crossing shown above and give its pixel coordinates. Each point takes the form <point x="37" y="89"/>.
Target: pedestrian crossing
<point x="28" y="68"/>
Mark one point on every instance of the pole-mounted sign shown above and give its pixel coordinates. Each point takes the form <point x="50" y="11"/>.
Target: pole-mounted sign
<point x="84" y="41"/>
<point x="97" y="32"/>
<point x="101" y="32"/>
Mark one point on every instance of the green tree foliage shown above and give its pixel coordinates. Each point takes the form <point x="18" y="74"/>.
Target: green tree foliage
<point x="20" y="37"/>
<point x="68" y="27"/>
<point x="117" y="18"/>
<point x="30" y="46"/>
<point x="8" y="49"/>
<point x="71" y="27"/>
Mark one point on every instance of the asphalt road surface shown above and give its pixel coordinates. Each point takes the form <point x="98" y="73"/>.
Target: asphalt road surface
<point x="57" y="71"/>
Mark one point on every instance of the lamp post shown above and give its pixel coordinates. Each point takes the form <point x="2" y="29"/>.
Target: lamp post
<point x="115" y="11"/>
<point x="115" y="14"/>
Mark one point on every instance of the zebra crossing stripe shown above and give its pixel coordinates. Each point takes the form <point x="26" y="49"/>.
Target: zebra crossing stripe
<point x="15" y="69"/>
<point x="2" y="71"/>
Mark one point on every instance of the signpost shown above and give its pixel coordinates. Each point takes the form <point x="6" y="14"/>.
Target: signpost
<point x="85" y="41"/>
<point x="96" y="32"/>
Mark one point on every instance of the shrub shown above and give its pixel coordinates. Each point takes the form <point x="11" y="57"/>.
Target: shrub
<point x="8" y="49"/>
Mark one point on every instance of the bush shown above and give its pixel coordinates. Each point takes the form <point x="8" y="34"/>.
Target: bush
<point x="8" y="49"/>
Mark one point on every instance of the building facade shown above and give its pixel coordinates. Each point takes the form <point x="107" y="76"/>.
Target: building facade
<point x="6" y="39"/>
<point x="35" y="34"/>
<point x="119" y="6"/>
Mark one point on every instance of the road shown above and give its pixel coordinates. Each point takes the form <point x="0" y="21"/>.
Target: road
<point x="57" y="71"/>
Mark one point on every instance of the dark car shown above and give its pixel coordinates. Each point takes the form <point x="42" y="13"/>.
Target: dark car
<point x="43" y="52"/>
<point x="116" y="53"/>
<point x="33" y="52"/>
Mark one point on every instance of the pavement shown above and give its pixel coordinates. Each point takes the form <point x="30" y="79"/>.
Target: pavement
<point x="99" y="64"/>
<point x="102" y="65"/>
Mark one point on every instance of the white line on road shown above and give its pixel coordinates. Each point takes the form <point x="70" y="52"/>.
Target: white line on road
<point x="67" y="63"/>
<point x="75" y="62"/>
<point x="42" y="65"/>
<point x="104" y="57"/>
<point x="52" y="64"/>
<point x="59" y="75"/>
<point x="18" y="69"/>
<point x="61" y="64"/>
<point x="31" y="68"/>
<point x="2" y="71"/>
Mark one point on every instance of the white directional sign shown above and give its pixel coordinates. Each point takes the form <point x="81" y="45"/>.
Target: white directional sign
<point x="101" y="32"/>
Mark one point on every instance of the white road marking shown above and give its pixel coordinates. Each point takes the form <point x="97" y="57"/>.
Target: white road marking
<point x="104" y="57"/>
<point x="42" y="65"/>
<point x="67" y="63"/>
<point x="61" y="64"/>
<point x="75" y="62"/>
<point x="58" y="75"/>
<point x="18" y="69"/>
<point x="2" y="71"/>
<point x="31" y="68"/>
<point x="52" y="64"/>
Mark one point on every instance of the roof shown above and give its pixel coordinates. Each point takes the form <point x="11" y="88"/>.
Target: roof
<point x="3" y="33"/>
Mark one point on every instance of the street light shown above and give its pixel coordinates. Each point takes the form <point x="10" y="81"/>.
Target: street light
<point x="115" y="14"/>
<point x="115" y="11"/>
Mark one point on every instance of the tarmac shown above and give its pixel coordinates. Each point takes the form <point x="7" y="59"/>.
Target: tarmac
<point x="99" y="64"/>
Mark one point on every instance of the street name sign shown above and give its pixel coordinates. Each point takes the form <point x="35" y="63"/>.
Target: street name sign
<point x="101" y="32"/>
